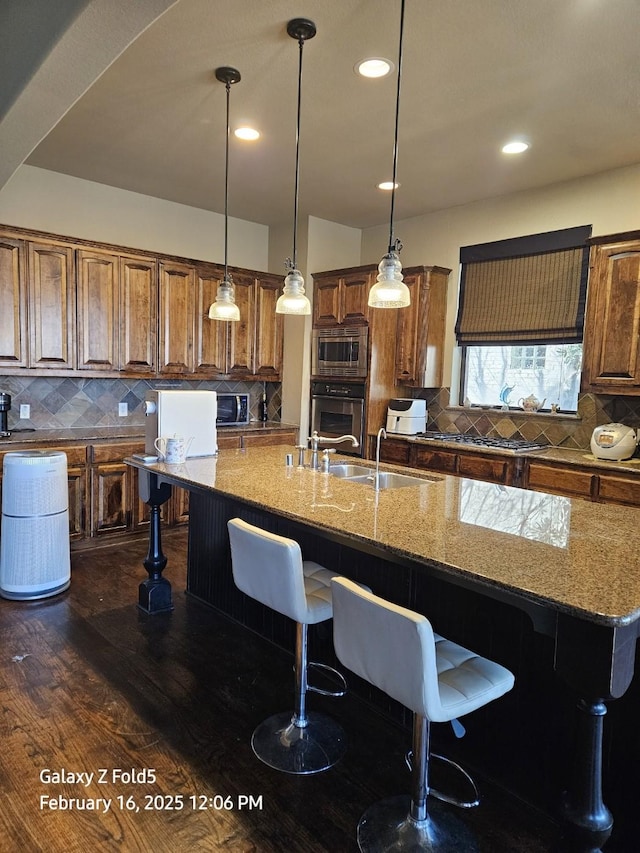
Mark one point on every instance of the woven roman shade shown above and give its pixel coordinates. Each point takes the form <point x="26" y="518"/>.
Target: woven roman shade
<point x="525" y="290"/>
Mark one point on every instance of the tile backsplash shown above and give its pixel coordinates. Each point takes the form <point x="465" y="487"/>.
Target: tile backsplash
<point x="76" y="402"/>
<point x="570" y="431"/>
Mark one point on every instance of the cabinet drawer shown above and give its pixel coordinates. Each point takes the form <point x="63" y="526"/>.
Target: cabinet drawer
<point x="76" y="456"/>
<point x="270" y="439"/>
<point x="394" y="450"/>
<point x="563" y="481"/>
<point x="485" y="468"/>
<point x="436" y="460"/>
<point x="99" y="453"/>
<point x="619" y="490"/>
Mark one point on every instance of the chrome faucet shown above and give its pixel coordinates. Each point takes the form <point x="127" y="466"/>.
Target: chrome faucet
<point x="316" y="439"/>
<point x="382" y="433"/>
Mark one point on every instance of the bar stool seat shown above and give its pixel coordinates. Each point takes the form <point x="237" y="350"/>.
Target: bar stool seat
<point x="270" y="569"/>
<point x="396" y="650"/>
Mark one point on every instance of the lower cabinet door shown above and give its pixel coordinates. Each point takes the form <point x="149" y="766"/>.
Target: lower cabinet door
<point x="110" y="505"/>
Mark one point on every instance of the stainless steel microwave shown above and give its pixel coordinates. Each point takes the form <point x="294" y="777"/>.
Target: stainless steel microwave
<point x="340" y="351"/>
<point x="233" y="410"/>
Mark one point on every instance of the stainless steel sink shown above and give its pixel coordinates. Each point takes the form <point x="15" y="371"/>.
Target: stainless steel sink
<point x="390" y="480"/>
<point x="347" y="470"/>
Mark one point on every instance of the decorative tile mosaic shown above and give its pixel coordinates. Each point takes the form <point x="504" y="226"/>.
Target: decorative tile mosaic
<point x="570" y="431"/>
<point x="73" y="402"/>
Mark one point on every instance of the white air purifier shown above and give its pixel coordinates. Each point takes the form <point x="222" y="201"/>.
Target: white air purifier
<point x="35" y="557"/>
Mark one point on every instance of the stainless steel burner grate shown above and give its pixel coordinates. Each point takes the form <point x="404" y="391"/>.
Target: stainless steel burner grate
<point x="512" y="444"/>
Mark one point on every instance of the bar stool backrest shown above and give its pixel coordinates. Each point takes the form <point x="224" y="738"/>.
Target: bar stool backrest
<point x="269" y="568"/>
<point x="391" y="647"/>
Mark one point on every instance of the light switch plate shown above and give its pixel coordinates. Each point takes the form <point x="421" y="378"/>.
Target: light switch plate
<point x="123" y="410"/>
<point x="25" y="411"/>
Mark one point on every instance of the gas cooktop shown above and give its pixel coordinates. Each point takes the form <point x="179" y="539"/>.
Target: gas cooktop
<point x="512" y="445"/>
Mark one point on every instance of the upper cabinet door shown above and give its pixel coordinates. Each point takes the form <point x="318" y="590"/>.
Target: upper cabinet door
<point x="97" y="305"/>
<point x="326" y="302"/>
<point x="420" y="328"/>
<point x="138" y="315"/>
<point x="612" y="323"/>
<point x="51" y="306"/>
<point x="13" y="303"/>
<point x="354" y="296"/>
<point x="177" y="318"/>
<point x="269" y="329"/>
<point x="211" y="335"/>
<point x="242" y="334"/>
<point x="340" y="297"/>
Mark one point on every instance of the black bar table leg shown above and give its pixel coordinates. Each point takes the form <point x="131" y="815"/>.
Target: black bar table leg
<point x="154" y="593"/>
<point x="583" y="806"/>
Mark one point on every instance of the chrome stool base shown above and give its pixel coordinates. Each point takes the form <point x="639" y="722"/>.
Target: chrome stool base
<point x="301" y="750"/>
<point x="387" y="826"/>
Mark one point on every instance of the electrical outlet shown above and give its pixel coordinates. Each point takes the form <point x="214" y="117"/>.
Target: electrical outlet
<point x="123" y="410"/>
<point x="25" y="411"/>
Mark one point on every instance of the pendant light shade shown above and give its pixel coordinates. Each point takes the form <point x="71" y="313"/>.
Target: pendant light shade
<point x="225" y="308"/>
<point x="390" y="291"/>
<point x="293" y="299"/>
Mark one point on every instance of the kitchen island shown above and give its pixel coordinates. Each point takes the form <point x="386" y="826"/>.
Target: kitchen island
<point x="568" y="568"/>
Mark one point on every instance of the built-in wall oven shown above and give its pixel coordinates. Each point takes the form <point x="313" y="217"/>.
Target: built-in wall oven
<point x="338" y="409"/>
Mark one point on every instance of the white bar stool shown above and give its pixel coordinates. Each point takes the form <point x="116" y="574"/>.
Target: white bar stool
<point x="270" y="569"/>
<point x="396" y="650"/>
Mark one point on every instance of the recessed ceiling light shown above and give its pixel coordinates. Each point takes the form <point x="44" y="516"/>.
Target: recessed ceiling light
<point x="246" y="133"/>
<point x="374" y="67"/>
<point x="515" y="147"/>
<point x="387" y="185"/>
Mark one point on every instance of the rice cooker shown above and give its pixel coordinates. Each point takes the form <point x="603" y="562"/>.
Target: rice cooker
<point x="614" y="441"/>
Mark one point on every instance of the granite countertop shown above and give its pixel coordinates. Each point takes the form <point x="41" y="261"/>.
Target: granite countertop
<point x="118" y="433"/>
<point x="571" y="555"/>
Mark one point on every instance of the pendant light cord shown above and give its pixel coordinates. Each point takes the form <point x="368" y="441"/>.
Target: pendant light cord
<point x="297" y="172"/>
<point x="395" y="245"/>
<point x="226" y="190"/>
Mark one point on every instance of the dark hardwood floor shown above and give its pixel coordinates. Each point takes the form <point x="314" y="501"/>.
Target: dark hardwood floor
<point x="161" y="710"/>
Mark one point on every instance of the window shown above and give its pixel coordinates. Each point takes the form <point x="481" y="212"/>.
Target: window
<point x="520" y="319"/>
<point x="501" y="376"/>
<point x="528" y="358"/>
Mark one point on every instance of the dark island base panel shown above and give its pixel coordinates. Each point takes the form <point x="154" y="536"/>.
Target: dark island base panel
<point x="521" y="742"/>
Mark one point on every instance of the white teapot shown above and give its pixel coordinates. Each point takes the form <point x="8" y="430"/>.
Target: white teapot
<point x="531" y="403"/>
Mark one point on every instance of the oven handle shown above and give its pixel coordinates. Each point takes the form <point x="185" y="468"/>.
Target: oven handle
<point x="335" y="397"/>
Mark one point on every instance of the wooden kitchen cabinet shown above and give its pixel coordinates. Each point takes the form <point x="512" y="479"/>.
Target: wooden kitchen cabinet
<point x="13" y="303"/>
<point x="395" y="450"/>
<point x="176" y="318"/>
<point x="560" y="479"/>
<point x="212" y="336"/>
<point x="242" y="334"/>
<point x="77" y="485"/>
<point x="612" y="322"/>
<point x="340" y="296"/>
<point x="117" y="312"/>
<point x="420" y="328"/>
<point x="267" y="361"/>
<point x="492" y="468"/>
<point x="138" y="315"/>
<point x="98" y="314"/>
<point x="250" y="347"/>
<point x="52" y="300"/>
<point x="257" y="439"/>
<point x="616" y="488"/>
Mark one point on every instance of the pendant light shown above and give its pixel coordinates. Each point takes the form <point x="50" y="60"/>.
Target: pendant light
<point x="293" y="299"/>
<point x="225" y="308"/>
<point x="390" y="291"/>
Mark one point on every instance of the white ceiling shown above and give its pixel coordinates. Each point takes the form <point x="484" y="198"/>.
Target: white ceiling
<point x="564" y="73"/>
